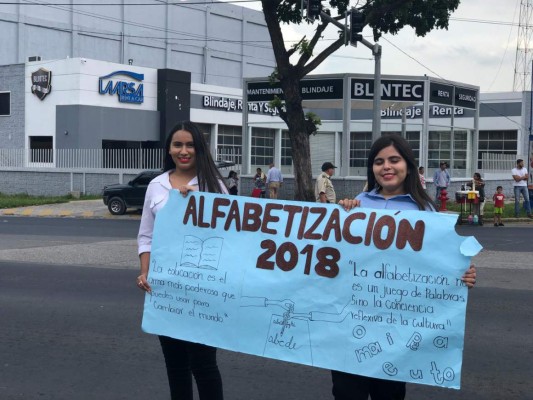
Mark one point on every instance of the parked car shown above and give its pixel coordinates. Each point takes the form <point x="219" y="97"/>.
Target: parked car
<point x="119" y="197"/>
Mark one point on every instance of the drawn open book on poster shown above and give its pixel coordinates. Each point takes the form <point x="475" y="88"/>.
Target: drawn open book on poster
<point x="198" y="253"/>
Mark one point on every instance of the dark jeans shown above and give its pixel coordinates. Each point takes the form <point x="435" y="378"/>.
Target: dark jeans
<point x="357" y="387"/>
<point x="184" y="359"/>
<point x="521" y="190"/>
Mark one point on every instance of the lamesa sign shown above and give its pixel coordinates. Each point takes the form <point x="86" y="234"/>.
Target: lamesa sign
<point x="128" y="90"/>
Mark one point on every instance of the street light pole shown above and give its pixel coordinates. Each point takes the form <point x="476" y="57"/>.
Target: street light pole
<point x="376" y="51"/>
<point x="376" y="101"/>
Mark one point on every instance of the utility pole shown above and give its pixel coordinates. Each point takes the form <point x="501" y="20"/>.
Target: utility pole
<point x="354" y="32"/>
<point x="524" y="55"/>
<point x="357" y="23"/>
<point x="357" y="20"/>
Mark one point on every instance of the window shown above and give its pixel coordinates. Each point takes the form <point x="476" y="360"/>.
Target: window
<point x="360" y="143"/>
<point x="440" y="149"/>
<point x="145" y="178"/>
<point x="460" y="150"/>
<point x="496" y="142"/>
<point x="322" y="150"/>
<point x="206" y="130"/>
<point x="5" y="103"/>
<point x="439" y="145"/>
<point x="230" y="143"/>
<point x="286" y="149"/>
<point x="413" y="138"/>
<point x="262" y="146"/>
<point x="41" y="149"/>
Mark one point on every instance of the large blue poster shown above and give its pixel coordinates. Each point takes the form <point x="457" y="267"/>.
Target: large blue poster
<point x="371" y="292"/>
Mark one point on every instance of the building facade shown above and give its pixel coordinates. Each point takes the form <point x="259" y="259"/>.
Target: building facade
<point x="119" y="76"/>
<point x="218" y="43"/>
<point x="80" y="103"/>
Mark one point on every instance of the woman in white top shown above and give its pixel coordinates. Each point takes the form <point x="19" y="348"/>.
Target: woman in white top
<point x="188" y="165"/>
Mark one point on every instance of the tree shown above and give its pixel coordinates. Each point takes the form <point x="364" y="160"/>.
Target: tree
<point x="384" y="16"/>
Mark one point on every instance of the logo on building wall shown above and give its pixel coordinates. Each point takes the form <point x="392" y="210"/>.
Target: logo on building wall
<point x="41" y="83"/>
<point x="363" y="89"/>
<point x="229" y="104"/>
<point x="126" y="90"/>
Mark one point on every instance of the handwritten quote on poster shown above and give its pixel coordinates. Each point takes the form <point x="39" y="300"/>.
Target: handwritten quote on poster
<point x="371" y="292"/>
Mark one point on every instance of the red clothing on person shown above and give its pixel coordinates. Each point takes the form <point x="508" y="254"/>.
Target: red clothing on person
<point x="498" y="200"/>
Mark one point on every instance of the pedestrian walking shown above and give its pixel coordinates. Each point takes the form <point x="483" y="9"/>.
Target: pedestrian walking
<point x="274" y="181"/>
<point x="324" y="191"/>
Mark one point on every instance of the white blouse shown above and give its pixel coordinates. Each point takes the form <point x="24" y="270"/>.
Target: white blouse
<point x="156" y="197"/>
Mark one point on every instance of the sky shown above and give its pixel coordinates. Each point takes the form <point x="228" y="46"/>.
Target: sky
<point x="481" y="54"/>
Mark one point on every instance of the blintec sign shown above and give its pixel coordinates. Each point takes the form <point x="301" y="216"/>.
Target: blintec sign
<point x="128" y="91"/>
<point x="392" y="90"/>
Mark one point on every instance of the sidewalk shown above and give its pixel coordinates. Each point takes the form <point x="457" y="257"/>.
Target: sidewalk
<point x="97" y="210"/>
<point x="72" y="209"/>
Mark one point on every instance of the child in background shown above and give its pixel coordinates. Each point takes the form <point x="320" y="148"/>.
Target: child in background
<point x="422" y="178"/>
<point x="498" y="199"/>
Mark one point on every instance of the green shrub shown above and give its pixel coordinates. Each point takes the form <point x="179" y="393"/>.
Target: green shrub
<point x="25" y="200"/>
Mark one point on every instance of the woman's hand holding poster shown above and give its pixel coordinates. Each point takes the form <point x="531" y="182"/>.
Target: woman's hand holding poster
<point x="371" y="292"/>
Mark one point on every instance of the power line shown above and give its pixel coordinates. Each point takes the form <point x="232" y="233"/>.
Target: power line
<point x="412" y="58"/>
<point x="181" y="3"/>
<point x="187" y="35"/>
<point x="505" y="52"/>
<point x="483" y="21"/>
<point x="448" y="81"/>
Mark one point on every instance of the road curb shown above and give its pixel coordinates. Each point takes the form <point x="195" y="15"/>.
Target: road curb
<point x="94" y="209"/>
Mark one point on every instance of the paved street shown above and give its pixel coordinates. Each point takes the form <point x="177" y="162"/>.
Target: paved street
<point x="73" y="321"/>
<point x="72" y="209"/>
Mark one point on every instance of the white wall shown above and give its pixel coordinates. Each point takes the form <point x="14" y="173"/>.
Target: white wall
<point x="76" y="81"/>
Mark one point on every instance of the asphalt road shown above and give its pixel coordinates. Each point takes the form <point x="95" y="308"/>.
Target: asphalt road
<point x="70" y="322"/>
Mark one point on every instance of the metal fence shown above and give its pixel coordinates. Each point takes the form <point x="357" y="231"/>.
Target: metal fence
<point x="495" y="162"/>
<point x="138" y="159"/>
<point x="82" y="158"/>
<point x="86" y="159"/>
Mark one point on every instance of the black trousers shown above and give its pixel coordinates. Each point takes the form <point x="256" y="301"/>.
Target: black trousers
<point x="356" y="387"/>
<point x="185" y="359"/>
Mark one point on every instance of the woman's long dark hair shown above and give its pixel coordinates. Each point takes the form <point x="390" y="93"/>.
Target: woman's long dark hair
<point x="209" y="178"/>
<point x="412" y="184"/>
